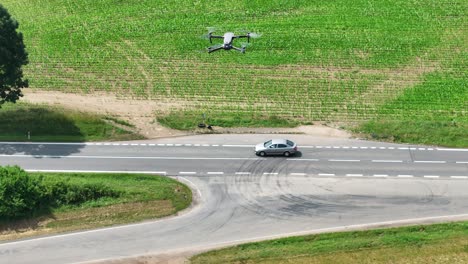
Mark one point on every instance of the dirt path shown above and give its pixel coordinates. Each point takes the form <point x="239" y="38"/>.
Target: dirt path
<point x="141" y="113"/>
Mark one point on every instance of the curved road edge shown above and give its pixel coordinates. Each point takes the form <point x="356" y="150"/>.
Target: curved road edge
<point x="183" y="254"/>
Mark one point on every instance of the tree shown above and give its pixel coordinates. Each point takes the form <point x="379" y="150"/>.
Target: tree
<point x="13" y="56"/>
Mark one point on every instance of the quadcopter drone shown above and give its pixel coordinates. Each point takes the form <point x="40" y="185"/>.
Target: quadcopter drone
<point x="228" y="38"/>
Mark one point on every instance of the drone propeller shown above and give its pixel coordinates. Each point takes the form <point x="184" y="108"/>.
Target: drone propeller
<point x="245" y="45"/>
<point x="254" y="35"/>
<point x="211" y="29"/>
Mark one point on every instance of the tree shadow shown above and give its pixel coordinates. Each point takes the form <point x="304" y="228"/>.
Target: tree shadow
<point x="22" y="130"/>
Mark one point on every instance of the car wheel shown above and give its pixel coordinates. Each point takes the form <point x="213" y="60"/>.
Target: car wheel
<point x="287" y="154"/>
<point x="262" y="154"/>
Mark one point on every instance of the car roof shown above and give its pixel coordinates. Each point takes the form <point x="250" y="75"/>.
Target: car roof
<point x="278" y="141"/>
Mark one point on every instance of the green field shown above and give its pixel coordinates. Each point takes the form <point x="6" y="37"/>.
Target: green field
<point x="439" y="243"/>
<point x="140" y="197"/>
<point x="340" y="61"/>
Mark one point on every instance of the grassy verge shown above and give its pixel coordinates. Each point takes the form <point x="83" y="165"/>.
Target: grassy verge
<point x="52" y="123"/>
<point x="415" y="121"/>
<point x="440" y="243"/>
<point x="186" y="120"/>
<point x="142" y="197"/>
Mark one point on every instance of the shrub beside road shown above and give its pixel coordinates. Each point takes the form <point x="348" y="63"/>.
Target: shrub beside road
<point x="43" y="203"/>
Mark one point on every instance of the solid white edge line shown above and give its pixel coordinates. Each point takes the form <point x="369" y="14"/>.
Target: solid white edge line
<point x="123" y="157"/>
<point x="97" y="171"/>
<point x="448" y="149"/>
<point x="429" y="161"/>
<point x="241" y="146"/>
<point x="217" y="245"/>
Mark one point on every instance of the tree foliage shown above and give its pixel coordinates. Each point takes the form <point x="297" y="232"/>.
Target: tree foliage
<point x="13" y="56"/>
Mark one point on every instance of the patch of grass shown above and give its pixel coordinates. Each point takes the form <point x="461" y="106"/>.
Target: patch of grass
<point x="437" y="243"/>
<point x="51" y="123"/>
<point x="141" y="197"/>
<point x="445" y="122"/>
<point x="187" y="120"/>
<point x="118" y="121"/>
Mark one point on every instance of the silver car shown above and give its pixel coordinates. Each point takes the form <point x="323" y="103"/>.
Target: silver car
<point x="276" y="147"/>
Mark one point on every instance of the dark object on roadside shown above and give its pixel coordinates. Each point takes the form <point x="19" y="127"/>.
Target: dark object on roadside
<point x="201" y="125"/>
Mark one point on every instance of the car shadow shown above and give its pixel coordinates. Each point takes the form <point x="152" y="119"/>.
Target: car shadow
<point x="298" y="154"/>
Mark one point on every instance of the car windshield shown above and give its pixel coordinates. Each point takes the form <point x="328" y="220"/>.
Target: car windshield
<point x="267" y="144"/>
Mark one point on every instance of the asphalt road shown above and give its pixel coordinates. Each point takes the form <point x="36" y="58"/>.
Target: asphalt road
<point x="241" y="197"/>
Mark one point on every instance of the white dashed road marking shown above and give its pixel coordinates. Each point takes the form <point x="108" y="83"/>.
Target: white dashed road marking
<point x="405" y="176"/>
<point x="459" y="177"/>
<point x="388" y="161"/>
<point x="340" y="160"/>
<point x="431" y="176"/>
<point x="354" y="175"/>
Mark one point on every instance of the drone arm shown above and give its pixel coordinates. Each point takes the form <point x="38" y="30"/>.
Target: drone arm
<point x="210" y="49"/>
<point x="239" y="49"/>
<point x="212" y="37"/>
<point x="245" y="36"/>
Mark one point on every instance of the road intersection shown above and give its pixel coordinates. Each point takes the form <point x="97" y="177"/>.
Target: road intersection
<point x="240" y="197"/>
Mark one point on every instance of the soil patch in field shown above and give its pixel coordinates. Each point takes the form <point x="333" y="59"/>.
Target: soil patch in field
<point x="141" y="113"/>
